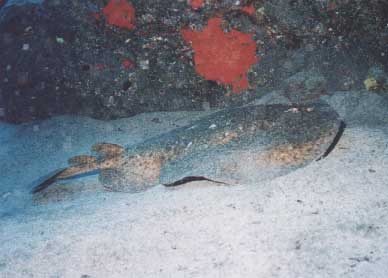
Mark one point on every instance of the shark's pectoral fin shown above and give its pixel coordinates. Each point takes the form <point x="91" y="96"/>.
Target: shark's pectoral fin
<point x="138" y="173"/>
<point x="126" y="180"/>
<point x="192" y="179"/>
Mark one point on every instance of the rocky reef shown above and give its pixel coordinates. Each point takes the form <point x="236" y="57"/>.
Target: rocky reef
<point x="117" y="58"/>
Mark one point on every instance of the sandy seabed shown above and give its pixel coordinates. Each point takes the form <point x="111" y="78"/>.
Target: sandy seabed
<point x="329" y="219"/>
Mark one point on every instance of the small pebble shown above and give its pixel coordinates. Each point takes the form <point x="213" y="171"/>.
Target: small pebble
<point x="59" y="40"/>
<point x="206" y="106"/>
<point x="145" y="64"/>
<point x="6" y="195"/>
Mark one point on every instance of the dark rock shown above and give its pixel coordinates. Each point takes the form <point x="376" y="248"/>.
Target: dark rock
<point x="360" y="107"/>
<point x="76" y="63"/>
<point x="305" y="86"/>
<point x="297" y="17"/>
<point x="63" y="56"/>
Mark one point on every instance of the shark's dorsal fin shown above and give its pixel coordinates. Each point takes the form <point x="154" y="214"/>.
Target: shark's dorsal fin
<point x="82" y="164"/>
<point x="81" y="160"/>
<point x="106" y="150"/>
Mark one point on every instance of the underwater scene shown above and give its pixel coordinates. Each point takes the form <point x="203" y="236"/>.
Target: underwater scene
<point x="194" y="138"/>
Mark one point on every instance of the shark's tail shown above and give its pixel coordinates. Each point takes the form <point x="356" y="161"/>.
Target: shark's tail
<point x="66" y="173"/>
<point x="47" y="182"/>
<point x="83" y="164"/>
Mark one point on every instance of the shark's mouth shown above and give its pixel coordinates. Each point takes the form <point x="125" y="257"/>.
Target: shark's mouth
<point x="341" y="130"/>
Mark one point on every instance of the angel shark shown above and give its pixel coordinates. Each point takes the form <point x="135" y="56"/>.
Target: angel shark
<point x="233" y="146"/>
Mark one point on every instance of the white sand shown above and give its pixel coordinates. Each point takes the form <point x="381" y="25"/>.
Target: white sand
<point x="329" y="219"/>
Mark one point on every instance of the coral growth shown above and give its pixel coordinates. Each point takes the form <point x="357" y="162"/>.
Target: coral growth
<point x="222" y="57"/>
<point x="250" y="10"/>
<point x="196" y="4"/>
<point x="128" y="63"/>
<point x="120" y="13"/>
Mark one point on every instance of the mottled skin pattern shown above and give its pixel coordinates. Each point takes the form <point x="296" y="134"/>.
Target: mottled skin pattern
<point x="238" y="145"/>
